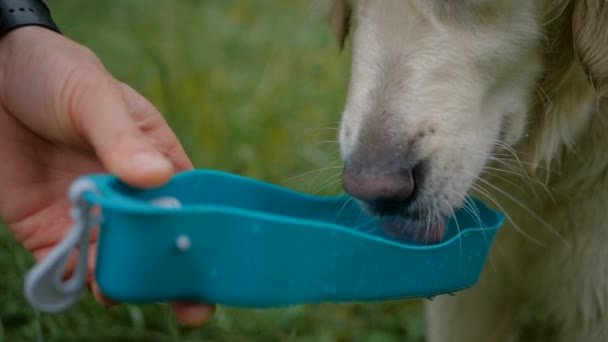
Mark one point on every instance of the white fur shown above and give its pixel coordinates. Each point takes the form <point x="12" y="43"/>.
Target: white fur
<point x="452" y="77"/>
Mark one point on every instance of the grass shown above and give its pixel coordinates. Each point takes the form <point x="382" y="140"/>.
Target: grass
<point x="251" y="87"/>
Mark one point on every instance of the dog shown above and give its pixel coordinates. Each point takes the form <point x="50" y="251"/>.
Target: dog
<point x="504" y="100"/>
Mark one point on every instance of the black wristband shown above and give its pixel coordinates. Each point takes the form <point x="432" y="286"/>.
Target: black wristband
<point x="18" y="13"/>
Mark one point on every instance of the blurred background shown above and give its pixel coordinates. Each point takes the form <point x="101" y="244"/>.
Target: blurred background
<point x="250" y="87"/>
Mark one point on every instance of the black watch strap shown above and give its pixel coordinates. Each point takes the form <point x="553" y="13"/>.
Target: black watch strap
<point x="18" y="13"/>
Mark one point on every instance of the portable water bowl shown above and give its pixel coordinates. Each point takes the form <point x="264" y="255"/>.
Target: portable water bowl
<point x="226" y="239"/>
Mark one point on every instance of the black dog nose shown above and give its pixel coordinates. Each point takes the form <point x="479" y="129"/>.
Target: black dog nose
<point x="379" y="188"/>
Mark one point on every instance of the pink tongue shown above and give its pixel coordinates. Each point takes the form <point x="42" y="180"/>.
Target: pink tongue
<point x="402" y="230"/>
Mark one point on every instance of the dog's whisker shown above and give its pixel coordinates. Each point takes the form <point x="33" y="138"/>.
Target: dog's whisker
<point x="470" y="209"/>
<point x="525" y="208"/>
<point x="328" y="128"/>
<point x="527" y="177"/>
<point x="508" y="148"/>
<point x="475" y="213"/>
<point x="520" y="163"/>
<point x="490" y="198"/>
<point x="521" y="170"/>
<point x="344" y="205"/>
<point x="331" y="179"/>
<point x="333" y="182"/>
<point x="458" y="230"/>
<point x="504" y="179"/>
<point x="494" y="177"/>
<point x="307" y="173"/>
<point x="509" y="166"/>
<point x="429" y="222"/>
<point x="485" y="193"/>
<point x="530" y="181"/>
<point x="491" y="172"/>
<point x="515" y="173"/>
<point x="332" y="142"/>
<point x="322" y="129"/>
<point x="506" y="159"/>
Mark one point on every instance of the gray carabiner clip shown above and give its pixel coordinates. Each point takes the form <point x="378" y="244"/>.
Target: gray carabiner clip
<point x="45" y="288"/>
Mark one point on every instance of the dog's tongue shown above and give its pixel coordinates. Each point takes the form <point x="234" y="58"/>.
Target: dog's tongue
<point x="403" y="230"/>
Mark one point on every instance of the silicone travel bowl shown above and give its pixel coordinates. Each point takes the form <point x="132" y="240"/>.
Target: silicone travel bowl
<point x="221" y="238"/>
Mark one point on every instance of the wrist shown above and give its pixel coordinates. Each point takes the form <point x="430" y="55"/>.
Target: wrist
<point x="15" y="14"/>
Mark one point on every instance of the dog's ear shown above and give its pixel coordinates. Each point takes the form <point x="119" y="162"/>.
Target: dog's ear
<point x="590" y="33"/>
<point x="340" y="16"/>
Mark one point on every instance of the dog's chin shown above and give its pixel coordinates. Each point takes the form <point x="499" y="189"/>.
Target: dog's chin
<point x="409" y="230"/>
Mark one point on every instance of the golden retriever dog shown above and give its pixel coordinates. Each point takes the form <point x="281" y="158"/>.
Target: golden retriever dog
<point x="504" y="100"/>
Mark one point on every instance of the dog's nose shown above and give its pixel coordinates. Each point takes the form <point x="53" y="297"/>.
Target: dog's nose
<point x="379" y="188"/>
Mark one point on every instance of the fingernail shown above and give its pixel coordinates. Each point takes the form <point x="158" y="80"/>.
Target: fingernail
<point x="149" y="162"/>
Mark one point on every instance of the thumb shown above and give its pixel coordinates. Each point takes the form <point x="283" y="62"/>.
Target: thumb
<point x="98" y="110"/>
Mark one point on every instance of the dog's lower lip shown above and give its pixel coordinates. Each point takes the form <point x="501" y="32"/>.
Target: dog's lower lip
<point x="405" y="229"/>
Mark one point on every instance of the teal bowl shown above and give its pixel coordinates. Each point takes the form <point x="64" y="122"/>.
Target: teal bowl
<point x="241" y="242"/>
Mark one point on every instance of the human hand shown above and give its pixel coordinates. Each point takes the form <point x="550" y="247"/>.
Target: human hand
<point x="63" y="115"/>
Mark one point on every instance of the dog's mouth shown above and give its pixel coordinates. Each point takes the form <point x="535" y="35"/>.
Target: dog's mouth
<point x="402" y="228"/>
<point x="408" y="226"/>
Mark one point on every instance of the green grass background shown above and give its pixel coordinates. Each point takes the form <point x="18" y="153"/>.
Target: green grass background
<point x="252" y="87"/>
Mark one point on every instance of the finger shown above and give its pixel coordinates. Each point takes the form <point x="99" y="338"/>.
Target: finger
<point x="156" y="128"/>
<point x="193" y="314"/>
<point x="97" y="109"/>
<point x="93" y="285"/>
